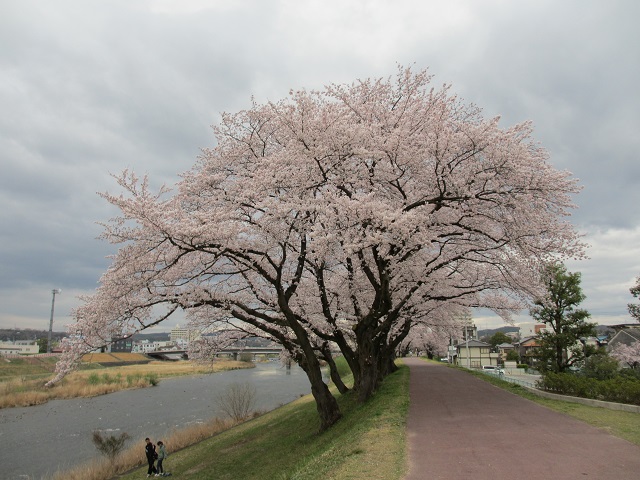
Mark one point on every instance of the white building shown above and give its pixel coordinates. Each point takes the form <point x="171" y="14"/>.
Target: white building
<point x="531" y="329"/>
<point x="19" y="347"/>
<point x="182" y="336"/>
<point x="146" y="346"/>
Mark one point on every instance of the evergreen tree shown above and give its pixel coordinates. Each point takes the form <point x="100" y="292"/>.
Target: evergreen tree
<point x="561" y="345"/>
<point x="498" y="338"/>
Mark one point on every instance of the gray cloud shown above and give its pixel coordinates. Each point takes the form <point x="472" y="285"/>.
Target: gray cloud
<point x="91" y="88"/>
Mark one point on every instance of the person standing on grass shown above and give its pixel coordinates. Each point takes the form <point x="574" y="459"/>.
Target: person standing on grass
<point x="162" y="454"/>
<point x="150" y="452"/>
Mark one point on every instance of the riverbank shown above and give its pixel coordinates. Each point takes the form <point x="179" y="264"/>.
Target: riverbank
<point x="368" y="442"/>
<point x="57" y="436"/>
<point x="22" y="380"/>
<point x="281" y="444"/>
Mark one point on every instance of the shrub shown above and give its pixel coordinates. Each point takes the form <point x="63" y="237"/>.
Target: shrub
<point x="600" y="367"/>
<point x="93" y="379"/>
<point x="246" y="357"/>
<point x="109" y="445"/>
<point x="620" y="389"/>
<point x="237" y="401"/>
<point x="630" y="373"/>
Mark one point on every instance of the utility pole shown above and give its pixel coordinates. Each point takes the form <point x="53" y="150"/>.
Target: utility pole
<point x="53" y="302"/>
<point x="468" y="335"/>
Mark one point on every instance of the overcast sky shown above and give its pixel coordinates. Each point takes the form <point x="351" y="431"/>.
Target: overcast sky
<point x="89" y="88"/>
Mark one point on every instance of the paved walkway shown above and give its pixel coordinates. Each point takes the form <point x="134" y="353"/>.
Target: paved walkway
<point x="460" y="428"/>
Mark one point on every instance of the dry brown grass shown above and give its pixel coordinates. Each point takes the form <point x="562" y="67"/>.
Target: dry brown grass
<point x="133" y="457"/>
<point x="113" y="357"/>
<point x="20" y="392"/>
<point x="170" y="369"/>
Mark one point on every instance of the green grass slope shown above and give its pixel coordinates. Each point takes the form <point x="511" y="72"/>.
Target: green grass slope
<point x="368" y="442"/>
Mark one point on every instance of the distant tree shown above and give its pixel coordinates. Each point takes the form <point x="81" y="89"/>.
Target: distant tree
<point x="512" y="356"/>
<point x="600" y="366"/>
<point x="433" y="341"/>
<point x="498" y="338"/>
<point x="627" y="354"/>
<point x="42" y="345"/>
<point x="560" y="345"/>
<point x="634" y="308"/>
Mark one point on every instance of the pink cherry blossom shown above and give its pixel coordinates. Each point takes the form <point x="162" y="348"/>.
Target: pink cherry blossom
<point x="337" y="219"/>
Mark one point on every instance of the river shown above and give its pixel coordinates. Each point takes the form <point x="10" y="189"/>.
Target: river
<point x="39" y="440"/>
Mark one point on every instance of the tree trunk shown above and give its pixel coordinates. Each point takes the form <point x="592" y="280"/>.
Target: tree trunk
<point x="374" y="368"/>
<point x="326" y="404"/>
<point x="350" y="356"/>
<point x="368" y="364"/>
<point x="368" y="381"/>
<point x="387" y="364"/>
<point x="333" y="371"/>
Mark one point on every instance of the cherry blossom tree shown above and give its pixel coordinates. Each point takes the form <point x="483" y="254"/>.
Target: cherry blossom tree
<point x="634" y="308"/>
<point x="629" y="354"/>
<point x="343" y="217"/>
<point x="433" y="340"/>
<point x="203" y="348"/>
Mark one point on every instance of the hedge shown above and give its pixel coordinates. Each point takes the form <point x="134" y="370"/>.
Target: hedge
<point x="621" y="389"/>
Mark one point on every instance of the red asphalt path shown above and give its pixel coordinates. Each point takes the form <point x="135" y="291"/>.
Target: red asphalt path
<point x="460" y="427"/>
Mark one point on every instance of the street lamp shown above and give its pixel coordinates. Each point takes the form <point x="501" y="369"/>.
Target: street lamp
<point x="53" y="302"/>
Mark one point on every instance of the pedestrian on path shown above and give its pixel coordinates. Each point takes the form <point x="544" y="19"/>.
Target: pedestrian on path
<point x="162" y="454"/>
<point x="150" y="452"/>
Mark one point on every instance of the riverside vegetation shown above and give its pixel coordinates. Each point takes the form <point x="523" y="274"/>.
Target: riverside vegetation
<point x="369" y="442"/>
<point x="22" y="379"/>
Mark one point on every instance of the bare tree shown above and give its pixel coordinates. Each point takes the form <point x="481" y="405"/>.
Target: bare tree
<point x="109" y="445"/>
<point x="238" y="401"/>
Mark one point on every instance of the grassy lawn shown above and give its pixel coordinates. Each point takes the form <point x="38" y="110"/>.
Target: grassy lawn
<point x="28" y="367"/>
<point x="621" y="424"/>
<point x="369" y="442"/>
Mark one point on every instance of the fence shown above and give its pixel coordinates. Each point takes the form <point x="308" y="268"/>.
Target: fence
<point x="531" y="383"/>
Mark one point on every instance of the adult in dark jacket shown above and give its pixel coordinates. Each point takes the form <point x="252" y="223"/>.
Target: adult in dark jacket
<point x="150" y="452"/>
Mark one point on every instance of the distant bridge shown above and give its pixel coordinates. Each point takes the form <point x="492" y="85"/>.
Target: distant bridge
<point x="231" y="352"/>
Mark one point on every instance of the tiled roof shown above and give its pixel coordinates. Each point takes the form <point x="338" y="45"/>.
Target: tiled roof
<point x="626" y="336"/>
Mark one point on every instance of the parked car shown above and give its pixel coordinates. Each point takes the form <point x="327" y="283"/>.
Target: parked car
<point x="493" y="369"/>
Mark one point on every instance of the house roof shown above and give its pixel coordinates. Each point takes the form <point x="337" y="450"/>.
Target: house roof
<point x="529" y="342"/>
<point x="623" y="326"/>
<point x="505" y="345"/>
<point x="473" y="343"/>
<point x="626" y="336"/>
